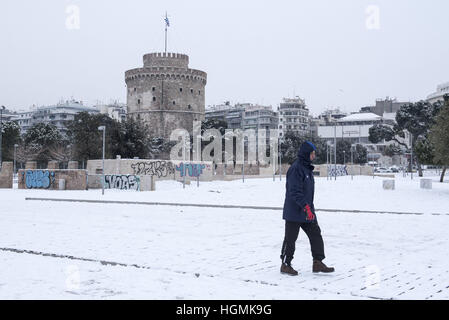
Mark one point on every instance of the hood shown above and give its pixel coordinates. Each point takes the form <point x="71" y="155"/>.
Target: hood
<point x="304" y="154"/>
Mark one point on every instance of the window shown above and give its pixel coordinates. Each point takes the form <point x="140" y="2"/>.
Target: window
<point x="154" y="98"/>
<point x="189" y="107"/>
<point x="180" y="89"/>
<point x="153" y="89"/>
<point x="174" y="102"/>
<point x="191" y="90"/>
<point x="135" y="89"/>
<point x="199" y="92"/>
<point x="138" y="101"/>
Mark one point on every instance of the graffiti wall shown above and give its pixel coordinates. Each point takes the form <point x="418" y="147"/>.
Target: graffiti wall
<point x="49" y="179"/>
<point x="157" y="169"/>
<point x="338" y="170"/>
<point x="122" y="182"/>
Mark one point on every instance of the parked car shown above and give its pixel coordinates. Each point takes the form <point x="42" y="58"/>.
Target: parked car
<point x="394" y="169"/>
<point x="382" y="170"/>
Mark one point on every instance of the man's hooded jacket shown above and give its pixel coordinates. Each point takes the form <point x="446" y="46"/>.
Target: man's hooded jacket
<point x="300" y="186"/>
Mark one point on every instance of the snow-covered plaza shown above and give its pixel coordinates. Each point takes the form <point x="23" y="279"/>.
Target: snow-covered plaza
<point x="72" y="250"/>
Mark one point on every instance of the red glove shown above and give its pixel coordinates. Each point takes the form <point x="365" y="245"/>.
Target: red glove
<point x="308" y="211"/>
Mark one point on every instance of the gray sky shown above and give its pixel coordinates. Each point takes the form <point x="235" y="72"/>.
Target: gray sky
<point x="253" y="51"/>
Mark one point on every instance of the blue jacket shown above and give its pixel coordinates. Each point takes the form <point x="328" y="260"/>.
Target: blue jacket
<point x="300" y="186"/>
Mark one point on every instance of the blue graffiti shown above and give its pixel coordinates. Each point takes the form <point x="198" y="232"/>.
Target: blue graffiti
<point x="194" y="169"/>
<point x="39" y="179"/>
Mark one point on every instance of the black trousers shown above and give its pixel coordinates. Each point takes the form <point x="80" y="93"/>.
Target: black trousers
<point x="312" y="231"/>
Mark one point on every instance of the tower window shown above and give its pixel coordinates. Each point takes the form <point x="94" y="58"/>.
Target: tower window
<point x="174" y="102"/>
<point x="138" y="101"/>
<point x="191" y="90"/>
<point x="189" y="106"/>
<point x="135" y="89"/>
<point x="153" y="89"/>
<point x="199" y="92"/>
<point x="154" y="98"/>
<point x="180" y="89"/>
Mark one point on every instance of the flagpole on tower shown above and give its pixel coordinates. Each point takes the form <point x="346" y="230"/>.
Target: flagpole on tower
<point x="167" y="24"/>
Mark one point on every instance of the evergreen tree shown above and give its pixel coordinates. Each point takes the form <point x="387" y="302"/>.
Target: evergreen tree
<point x="134" y="140"/>
<point x="291" y="143"/>
<point x="439" y="137"/>
<point x="417" y="118"/>
<point x="360" y="154"/>
<point x="41" y="142"/>
<point x="10" y="137"/>
<point x="86" y="139"/>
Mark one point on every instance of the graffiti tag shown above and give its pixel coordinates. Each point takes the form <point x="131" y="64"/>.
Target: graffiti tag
<point x="153" y="168"/>
<point x="193" y="169"/>
<point x="122" y="182"/>
<point x="39" y="179"/>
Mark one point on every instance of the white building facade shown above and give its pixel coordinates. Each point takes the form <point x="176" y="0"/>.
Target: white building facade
<point x="294" y="117"/>
<point x="59" y="115"/>
<point x="442" y="90"/>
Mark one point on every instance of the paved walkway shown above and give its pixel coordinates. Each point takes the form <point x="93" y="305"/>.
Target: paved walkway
<point x="92" y="250"/>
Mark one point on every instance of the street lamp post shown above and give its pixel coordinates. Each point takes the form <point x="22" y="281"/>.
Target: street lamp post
<point x="243" y="158"/>
<point x="15" y="151"/>
<point x="102" y="128"/>
<point x="280" y="159"/>
<point x="327" y="161"/>
<point x="352" y="162"/>
<point x="411" y="156"/>
<point x="183" y="170"/>
<point x="335" y="150"/>
<point x="1" y="134"/>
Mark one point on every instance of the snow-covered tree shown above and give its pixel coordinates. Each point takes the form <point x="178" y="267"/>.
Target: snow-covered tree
<point x="10" y="137"/>
<point x="439" y="136"/>
<point x="416" y="118"/>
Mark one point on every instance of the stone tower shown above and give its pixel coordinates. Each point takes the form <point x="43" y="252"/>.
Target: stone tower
<point x="165" y="93"/>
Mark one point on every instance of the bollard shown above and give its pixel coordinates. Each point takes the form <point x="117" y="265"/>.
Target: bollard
<point x="388" y="184"/>
<point x="426" y="184"/>
<point x="61" y="184"/>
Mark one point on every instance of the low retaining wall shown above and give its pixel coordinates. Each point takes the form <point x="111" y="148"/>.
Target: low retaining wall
<point x="49" y="179"/>
<point x="6" y="175"/>
<point x="343" y="170"/>
<point x="158" y="169"/>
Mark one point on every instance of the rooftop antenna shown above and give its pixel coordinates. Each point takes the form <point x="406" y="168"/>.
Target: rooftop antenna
<point x="167" y="24"/>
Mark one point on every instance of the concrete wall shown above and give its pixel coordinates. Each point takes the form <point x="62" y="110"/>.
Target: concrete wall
<point x="49" y="179"/>
<point x="159" y="169"/>
<point x="6" y="175"/>
<point x="345" y="170"/>
<point x="31" y="165"/>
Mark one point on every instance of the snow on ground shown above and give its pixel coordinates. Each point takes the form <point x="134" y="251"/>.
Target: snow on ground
<point x="214" y="253"/>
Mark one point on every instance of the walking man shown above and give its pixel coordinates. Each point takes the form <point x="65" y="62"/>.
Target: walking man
<point x="299" y="212"/>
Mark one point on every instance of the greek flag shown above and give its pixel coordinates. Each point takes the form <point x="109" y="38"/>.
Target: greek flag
<point x="167" y="23"/>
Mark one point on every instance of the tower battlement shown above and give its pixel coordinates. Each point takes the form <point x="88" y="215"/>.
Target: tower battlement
<point x="169" y="59"/>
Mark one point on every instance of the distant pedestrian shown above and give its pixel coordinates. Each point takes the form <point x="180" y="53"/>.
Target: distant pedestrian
<point x="299" y="212"/>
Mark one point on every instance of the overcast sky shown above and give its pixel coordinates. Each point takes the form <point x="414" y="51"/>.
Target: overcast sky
<point x="332" y="53"/>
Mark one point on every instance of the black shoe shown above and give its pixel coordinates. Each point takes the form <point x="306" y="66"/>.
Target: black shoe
<point x="287" y="269"/>
<point x="319" y="266"/>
